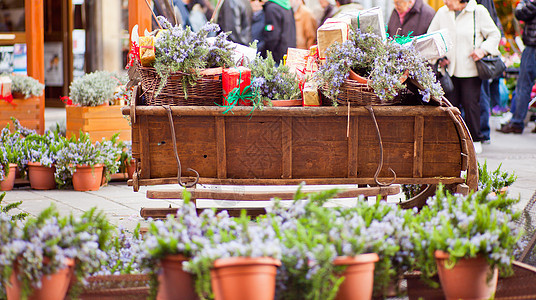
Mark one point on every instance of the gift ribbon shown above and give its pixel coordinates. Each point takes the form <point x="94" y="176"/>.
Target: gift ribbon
<point x="235" y="95"/>
<point x="8" y="99"/>
<point x="66" y="100"/>
<point x="133" y="54"/>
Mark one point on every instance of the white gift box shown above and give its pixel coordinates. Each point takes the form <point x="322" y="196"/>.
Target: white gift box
<point x="433" y="45"/>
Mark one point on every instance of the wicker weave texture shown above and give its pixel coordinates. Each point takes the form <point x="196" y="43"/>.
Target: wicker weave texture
<point x="360" y="94"/>
<point x="116" y="287"/>
<point x="208" y="91"/>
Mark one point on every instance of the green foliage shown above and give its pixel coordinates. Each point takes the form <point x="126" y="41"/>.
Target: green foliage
<point x="8" y="207"/>
<point x="496" y="180"/>
<point x="25" y="85"/>
<point x="271" y="82"/>
<point x="11" y="150"/>
<point x="94" y="89"/>
<point x="467" y="226"/>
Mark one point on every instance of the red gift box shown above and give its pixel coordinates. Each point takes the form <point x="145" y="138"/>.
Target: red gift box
<point x="230" y="80"/>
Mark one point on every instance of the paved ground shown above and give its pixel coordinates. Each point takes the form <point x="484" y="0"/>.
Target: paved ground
<point x="516" y="153"/>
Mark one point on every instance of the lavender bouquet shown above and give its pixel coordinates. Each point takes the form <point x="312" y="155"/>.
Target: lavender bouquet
<point x="11" y="150"/>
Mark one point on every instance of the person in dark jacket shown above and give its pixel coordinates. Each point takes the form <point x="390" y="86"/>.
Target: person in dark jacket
<point x="408" y="16"/>
<point x="236" y="16"/>
<point x="526" y="12"/>
<point x="279" y="30"/>
<point x="489" y="90"/>
<point x="257" y="22"/>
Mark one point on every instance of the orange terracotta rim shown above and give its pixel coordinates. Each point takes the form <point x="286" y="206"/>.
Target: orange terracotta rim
<point x="354" y="76"/>
<point x="38" y="164"/>
<point x="175" y="257"/>
<point x="358" y="259"/>
<point x="286" y="103"/>
<point x="242" y="261"/>
<point x="89" y="166"/>
<point x="439" y="254"/>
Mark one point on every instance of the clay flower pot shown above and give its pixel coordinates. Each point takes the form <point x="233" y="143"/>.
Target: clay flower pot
<point x="173" y="282"/>
<point x="41" y="177"/>
<point x="87" y="178"/>
<point x="245" y="278"/>
<point x="354" y="76"/>
<point x="53" y="287"/>
<point x="468" y="279"/>
<point x="358" y="276"/>
<point x="9" y="180"/>
<point x="131" y="168"/>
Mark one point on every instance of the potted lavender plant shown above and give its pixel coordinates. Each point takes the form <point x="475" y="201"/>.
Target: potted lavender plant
<point x="11" y="155"/>
<point x="83" y="163"/>
<point x="475" y="232"/>
<point x="38" y="256"/>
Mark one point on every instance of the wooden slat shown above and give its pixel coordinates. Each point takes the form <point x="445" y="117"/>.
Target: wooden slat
<point x="296" y="181"/>
<point x="145" y="147"/>
<point x="267" y="195"/>
<point x="418" y="146"/>
<point x="221" y="148"/>
<point x="353" y="148"/>
<point x="243" y="111"/>
<point x="286" y="146"/>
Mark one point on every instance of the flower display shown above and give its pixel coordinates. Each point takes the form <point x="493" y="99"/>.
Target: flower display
<point x="271" y="82"/>
<point x="179" y="49"/>
<point x="25" y="85"/>
<point x="11" y="150"/>
<point x="94" y="89"/>
<point x="39" y="246"/>
<point x="384" y="64"/>
<point x="465" y="227"/>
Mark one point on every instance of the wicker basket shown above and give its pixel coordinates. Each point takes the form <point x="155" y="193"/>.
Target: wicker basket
<point x="208" y="90"/>
<point x="116" y="287"/>
<point x="357" y="93"/>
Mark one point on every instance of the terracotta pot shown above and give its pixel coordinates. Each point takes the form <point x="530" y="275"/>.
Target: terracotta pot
<point x="358" y="276"/>
<point x="9" y="180"/>
<point x="18" y="95"/>
<point x="131" y="168"/>
<point x="87" y="178"/>
<point x="53" y="286"/>
<point x="287" y="103"/>
<point x="41" y="177"/>
<point x="468" y="279"/>
<point x="354" y="76"/>
<point x="245" y="278"/>
<point x="174" y="283"/>
<point x="215" y="282"/>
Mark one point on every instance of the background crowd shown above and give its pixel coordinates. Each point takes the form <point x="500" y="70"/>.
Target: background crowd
<point x="473" y="26"/>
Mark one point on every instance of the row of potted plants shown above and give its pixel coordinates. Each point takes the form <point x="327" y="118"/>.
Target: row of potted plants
<point x="51" y="159"/>
<point x="307" y="250"/>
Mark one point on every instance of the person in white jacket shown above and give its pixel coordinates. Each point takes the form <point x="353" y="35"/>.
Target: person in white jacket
<point x="474" y="35"/>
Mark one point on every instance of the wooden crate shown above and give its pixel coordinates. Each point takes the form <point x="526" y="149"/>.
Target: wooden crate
<point x="422" y="144"/>
<point x="25" y="110"/>
<point x="100" y="122"/>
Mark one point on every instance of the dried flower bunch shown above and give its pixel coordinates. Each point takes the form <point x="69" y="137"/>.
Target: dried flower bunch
<point x="94" y="89"/>
<point x="271" y="82"/>
<point x="25" y="85"/>
<point x="179" y="49"/>
<point x="382" y="63"/>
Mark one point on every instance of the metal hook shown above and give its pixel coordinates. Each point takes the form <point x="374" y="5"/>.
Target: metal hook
<point x="369" y="108"/>
<point x="174" y="139"/>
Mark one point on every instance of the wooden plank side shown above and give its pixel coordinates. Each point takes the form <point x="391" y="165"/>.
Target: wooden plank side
<point x="102" y="112"/>
<point x="145" y="147"/>
<point x="286" y="145"/>
<point x="220" y="147"/>
<point x="196" y="146"/>
<point x="353" y="147"/>
<point x="392" y="129"/>
<point x="316" y="159"/>
<point x="398" y="156"/>
<point x="418" y="146"/>
<point x="101" y="124"/>
<point x="254" y="147"/>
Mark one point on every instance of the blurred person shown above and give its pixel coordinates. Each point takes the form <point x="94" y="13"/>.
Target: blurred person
<point x="257" y="22"/>
<point x="305" y="25"/>
<point x="526" y="12"/>
<point x="236" y="16"/>
<point x="279" y="32"/>
<point x="410" y="16"/>
<point x="344" y="6"/>
<point x="489" y="90"/>
<point x="329" y="9"/>
<point x="475" y="35"/>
